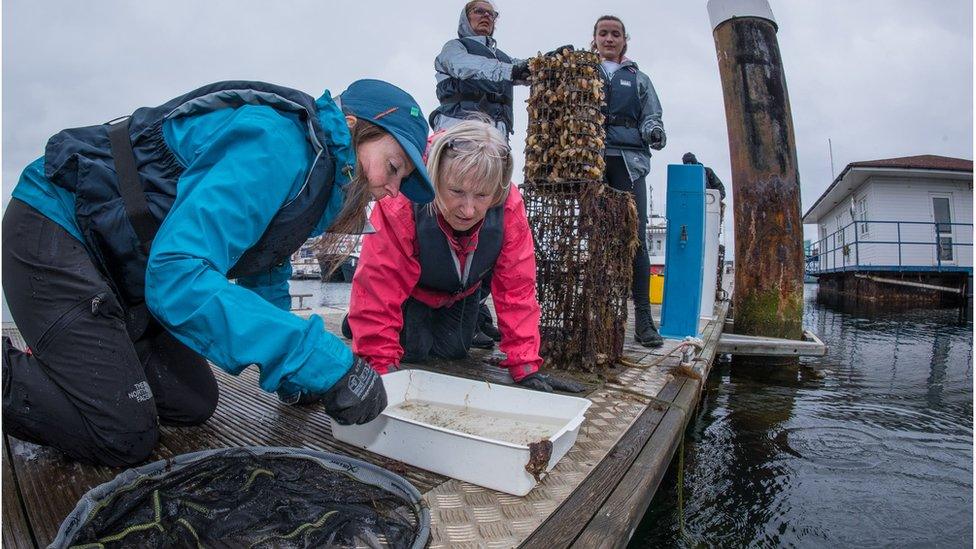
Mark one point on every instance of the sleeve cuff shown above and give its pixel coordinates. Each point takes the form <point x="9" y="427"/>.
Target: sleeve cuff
<point x="386" y="368"/>
<point x="522" y="371"/>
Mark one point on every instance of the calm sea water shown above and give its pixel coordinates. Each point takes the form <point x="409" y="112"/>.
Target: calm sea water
<point x="870" y="446"/>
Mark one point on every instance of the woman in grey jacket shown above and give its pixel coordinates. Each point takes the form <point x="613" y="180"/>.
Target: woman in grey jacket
<point x="633" y="124"/>
<point x="473" y="75"/>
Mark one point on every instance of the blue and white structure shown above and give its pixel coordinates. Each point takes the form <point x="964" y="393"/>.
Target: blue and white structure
<point x="683" y="272"/>
<point x="910" y="214"/>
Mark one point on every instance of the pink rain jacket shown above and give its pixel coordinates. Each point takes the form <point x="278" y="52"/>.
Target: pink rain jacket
<point x="388" y="272"/>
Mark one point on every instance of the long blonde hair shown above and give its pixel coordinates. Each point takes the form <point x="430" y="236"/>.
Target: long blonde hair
<point x="472" y="150"/>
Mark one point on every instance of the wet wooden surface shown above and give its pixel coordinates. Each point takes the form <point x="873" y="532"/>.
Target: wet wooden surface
<point x="47" y="486"/>
<point x="16" y="530"/>
<point x="614" y="522"/>
<point x="40" y="486"/>
<point x="606" y="509"/>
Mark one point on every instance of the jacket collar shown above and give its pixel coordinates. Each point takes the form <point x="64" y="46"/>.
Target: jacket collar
<point x="338" y="136"/>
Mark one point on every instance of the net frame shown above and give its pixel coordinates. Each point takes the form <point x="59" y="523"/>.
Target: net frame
<point x="361" y="471"/>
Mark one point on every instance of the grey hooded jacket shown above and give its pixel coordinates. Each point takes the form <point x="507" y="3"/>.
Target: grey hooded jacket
<point x="639" y="162"/>
<point x="454" y="61"/>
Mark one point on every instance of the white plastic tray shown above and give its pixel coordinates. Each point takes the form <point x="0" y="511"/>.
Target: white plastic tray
<point x="469" y="430"/>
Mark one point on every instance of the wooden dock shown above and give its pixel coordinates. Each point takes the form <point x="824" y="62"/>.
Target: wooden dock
<point x="594" y="497"/>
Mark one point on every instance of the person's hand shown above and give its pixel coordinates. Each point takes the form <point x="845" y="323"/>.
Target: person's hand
<point x="301" y="398"/>
<point x="521" y="72"/>
<point x="658" y="139"/>
<point x="561" y="49"/>
<point x="358" y="397"/>
<point x="548" y="383"/>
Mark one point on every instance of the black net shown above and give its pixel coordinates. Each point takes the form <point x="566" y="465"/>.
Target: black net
<point x="240" y="499"/>
<point x="585" y="232"/>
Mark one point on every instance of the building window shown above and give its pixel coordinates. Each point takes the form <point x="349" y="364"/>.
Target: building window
<point x="840" y="230"/>
<point x="862" y="215"/>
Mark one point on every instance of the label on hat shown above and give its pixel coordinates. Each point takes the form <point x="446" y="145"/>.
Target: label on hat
<point x="414" y="111"/>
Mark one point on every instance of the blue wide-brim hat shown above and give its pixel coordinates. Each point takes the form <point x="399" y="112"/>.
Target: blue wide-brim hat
<point x="395" y="111"/>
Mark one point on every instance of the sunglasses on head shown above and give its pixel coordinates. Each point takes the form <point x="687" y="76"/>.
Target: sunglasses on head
<point x="466" y="146"/>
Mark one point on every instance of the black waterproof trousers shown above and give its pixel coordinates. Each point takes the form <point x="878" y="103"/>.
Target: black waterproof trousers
<point x="438" y="333"/>
<point x="484" y="313"/>
<point x="87" y="386"/>
<point x="618" y="178"/>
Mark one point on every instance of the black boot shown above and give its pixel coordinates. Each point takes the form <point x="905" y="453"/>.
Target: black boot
<point x="491" y="331"/>
<point x="645" y="332"/>
<point x="487" y="325"/>
<point x="481" y="341"/>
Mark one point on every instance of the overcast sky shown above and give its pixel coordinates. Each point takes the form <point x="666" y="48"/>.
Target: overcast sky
<point x="881" y="78"/>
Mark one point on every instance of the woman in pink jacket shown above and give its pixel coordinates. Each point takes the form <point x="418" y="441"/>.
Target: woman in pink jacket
<point x="415" y="293"/>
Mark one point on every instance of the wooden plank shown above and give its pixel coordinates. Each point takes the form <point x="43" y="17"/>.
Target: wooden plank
<point x="563" y="526"/>
<point x="51" y="485"/>
<point x="707" y="356"/>
<point x="245" y="416"/>
<point x="615" y="522"/>
<point x="16" y="531"/>
<point x="684" y="393"/>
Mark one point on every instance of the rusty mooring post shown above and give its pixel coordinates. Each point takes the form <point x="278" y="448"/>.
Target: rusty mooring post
<point x="768" y="293"/>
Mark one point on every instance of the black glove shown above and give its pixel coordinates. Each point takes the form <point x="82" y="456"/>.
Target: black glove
<point x="561" y="49"/>
<point x="358" y="397"/>
<point x="658" y="139"/>
<point x="520" y="71"/>
<point x="301" y="398"/>
<point x="548" y="383"/>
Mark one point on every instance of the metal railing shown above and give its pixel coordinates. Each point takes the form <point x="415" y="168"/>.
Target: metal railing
<point x="837" y="252"/>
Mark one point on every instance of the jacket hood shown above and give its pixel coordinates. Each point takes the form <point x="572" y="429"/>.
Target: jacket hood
<point x="465" y="30"/>
<point x="340" y="140"/>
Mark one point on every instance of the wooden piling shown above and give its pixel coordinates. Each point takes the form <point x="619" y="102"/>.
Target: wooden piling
<point x="768" y="297"/>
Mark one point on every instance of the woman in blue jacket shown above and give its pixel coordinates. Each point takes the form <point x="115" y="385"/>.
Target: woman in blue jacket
<point x="121" y="243"/>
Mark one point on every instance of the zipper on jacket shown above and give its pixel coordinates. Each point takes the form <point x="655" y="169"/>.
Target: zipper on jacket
<point x="608" y="86"/>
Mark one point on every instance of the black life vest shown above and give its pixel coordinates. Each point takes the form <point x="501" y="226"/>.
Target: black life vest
<point x="491" y="97"/>
<point x="440" y="268"/>
<point x="81" y="161"/>
<point x="622" y="109"/>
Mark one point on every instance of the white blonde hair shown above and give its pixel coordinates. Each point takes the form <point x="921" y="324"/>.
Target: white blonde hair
<point x="474" y="151"/>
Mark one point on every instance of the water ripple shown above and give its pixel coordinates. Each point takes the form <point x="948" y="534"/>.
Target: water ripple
<point x="870" y="446"/>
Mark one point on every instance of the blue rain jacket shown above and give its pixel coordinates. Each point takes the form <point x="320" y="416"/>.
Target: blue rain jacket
<point x="240" y="166"/>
